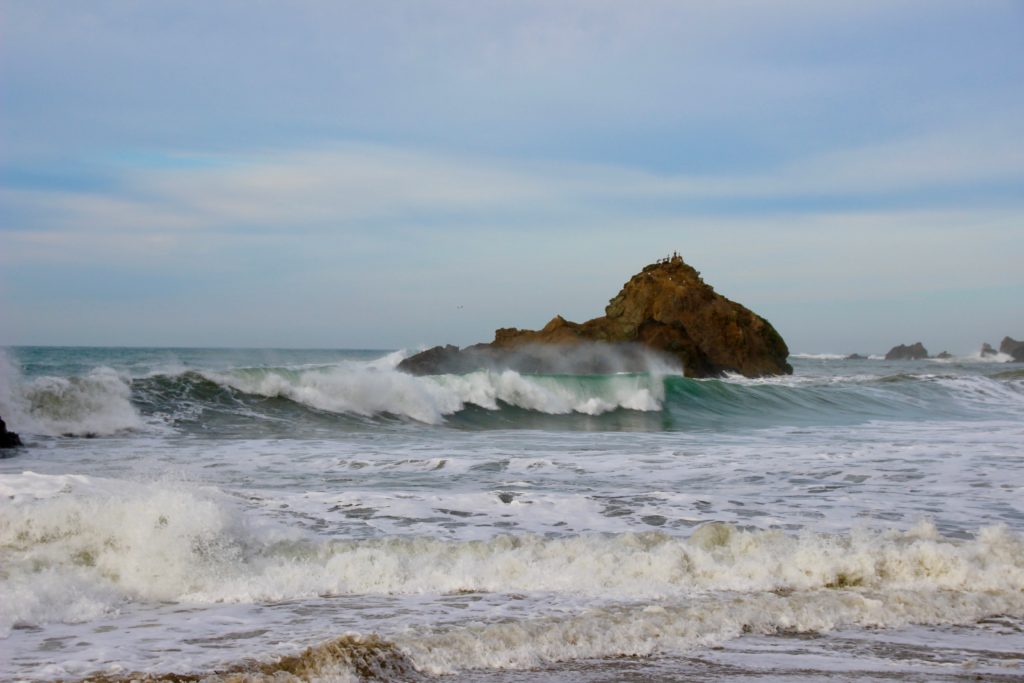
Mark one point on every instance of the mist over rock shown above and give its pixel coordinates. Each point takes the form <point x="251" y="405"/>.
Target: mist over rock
<point x="665" y="314"/>
<point x="915" y="351"/>
<point x="1012" y="348"/>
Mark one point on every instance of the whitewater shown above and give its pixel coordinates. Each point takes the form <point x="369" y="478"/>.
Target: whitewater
<point x="248" y="515"/>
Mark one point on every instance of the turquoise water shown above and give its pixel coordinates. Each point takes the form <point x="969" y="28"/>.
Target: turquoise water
<point x="285" y="392"/>
<point x="191" y="511"/>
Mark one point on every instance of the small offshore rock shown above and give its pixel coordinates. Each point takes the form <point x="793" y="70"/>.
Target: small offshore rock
<point x="915" y="351"/>
<point x="945" y="355"/>
<point x="987" y="350"/>
<point x="856" y="356"/>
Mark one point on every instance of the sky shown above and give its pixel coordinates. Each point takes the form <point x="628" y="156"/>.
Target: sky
<point x="398" y="174"/>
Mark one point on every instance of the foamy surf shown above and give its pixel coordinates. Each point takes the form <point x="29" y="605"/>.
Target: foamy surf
<point x="675" y="628"/>
<point x="370" y="391"/>
<point x="97" y="403"/>
<point x="104" y="542"/>
<point x="316" y="515"/>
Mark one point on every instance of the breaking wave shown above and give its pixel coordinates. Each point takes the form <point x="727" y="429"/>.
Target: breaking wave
<point x="75" y="548"/>
<point x="621" y="630"/>
<point x="103" y="401"/>
<point x="430" y="399"/>
<point x="94" y="404"/>
<point x="682" y="402"/>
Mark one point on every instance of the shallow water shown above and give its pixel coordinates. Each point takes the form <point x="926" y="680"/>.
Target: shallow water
<point x="320" y="515"/>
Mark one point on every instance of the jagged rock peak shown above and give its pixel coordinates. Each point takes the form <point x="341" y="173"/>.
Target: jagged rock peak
<point x="666" y="308"/>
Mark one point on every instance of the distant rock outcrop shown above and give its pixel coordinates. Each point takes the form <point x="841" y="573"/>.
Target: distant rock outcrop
<point x="856" y="356"/>
<point x="666" y="309"/>
<point x="915" y="351"/>
<point x="1013" y="348"/>
<point x="945" y="355"/>
<point x="987" y="350"/>
<point x="8" y="439"/>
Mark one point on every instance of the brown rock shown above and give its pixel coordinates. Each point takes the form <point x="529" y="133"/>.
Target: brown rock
<point x="666" y="308"/>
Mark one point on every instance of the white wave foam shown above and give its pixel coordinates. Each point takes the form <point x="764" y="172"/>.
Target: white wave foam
<point x="377" y="389"/>
<point x="677" y="627"/>
<point x="983" y="393"/>
<point x="98" y="403"/>
<point x="77" y="547"/>
<point x="998" y="357"/>
<point x="387" y="362"/>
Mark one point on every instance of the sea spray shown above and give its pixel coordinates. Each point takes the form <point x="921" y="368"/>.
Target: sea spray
<point x="372" y="391"/>
<point x="97" y="403"/>
<point x="283" y="535"/>
<point x="107" y="541"/>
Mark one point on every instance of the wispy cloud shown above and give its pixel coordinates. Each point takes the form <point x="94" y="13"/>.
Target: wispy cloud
<point x="456" y="152"/>
<point x="345" y="187"/>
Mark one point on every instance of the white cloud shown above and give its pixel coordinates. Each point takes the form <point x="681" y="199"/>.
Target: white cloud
<point x="351" y="188"/>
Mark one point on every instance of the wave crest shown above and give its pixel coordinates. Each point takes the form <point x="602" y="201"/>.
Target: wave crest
<point x="106" y="541"/>
<point x="97" y="403"/>
<point x="372" y="391"/>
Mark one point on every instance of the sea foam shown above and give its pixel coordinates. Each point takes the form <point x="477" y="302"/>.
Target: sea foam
<point x="371" y="390"/>
<point x="76" y="547"/>
<point x="97" y="403"/>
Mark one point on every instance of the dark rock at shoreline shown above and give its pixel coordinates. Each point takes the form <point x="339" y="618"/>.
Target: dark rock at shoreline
<point x="915" y="351"/>
<point x="439" y="356"/>
<point x="987" y="350"/>
<point x="666" y="310"/>
<point x="8" y="439"/>
<point x="945" y="355"/>
<point x="1013" y="348"/>
<point x="856" y="356"/>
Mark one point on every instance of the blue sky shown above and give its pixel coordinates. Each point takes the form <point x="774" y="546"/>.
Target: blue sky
<point x="393" y="174"/>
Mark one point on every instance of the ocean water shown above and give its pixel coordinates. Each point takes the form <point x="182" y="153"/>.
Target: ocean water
<point x="317" y="515"/>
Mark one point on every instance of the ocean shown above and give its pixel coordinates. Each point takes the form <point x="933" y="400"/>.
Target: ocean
<point x="215" y="514"/>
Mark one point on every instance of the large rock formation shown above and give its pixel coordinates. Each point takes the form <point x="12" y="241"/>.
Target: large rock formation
<point x="915" y="351"/>
<point x="1012" y="348"/>
<point x="666" y="309"/>
<point x="8" y="439"/>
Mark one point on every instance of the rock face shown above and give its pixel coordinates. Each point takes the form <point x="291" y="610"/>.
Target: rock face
<point x="8" y="439"/>
<point x="987" y="350"/>
<point x="945" y="355"/>
<point x="1013" y="348"/>
<point x="666" y="309"/>
<point x="915" y="351"/>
